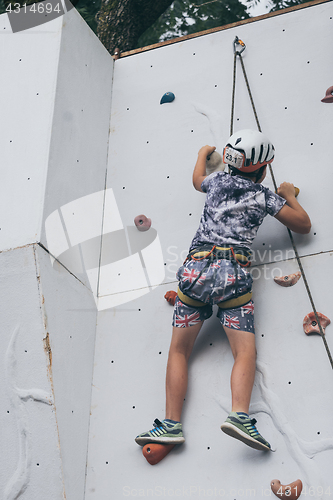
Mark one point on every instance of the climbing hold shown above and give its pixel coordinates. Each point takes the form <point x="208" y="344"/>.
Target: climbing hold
<point x="310" y="324"/>
<point x="171" y="297"/>
<point x="214" y="163"/>
<point x="296" y="191"/>
<point x="288" y="279"/>
<point x="154" y="452"/>
<point x="329" y="95"/>
<point x="142" y="222"/>
<point x="167" y="97"/>
<point x="290" y="491"/>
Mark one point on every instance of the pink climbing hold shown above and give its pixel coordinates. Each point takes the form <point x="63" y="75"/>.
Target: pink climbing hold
<point x="289" y="491"/>
<point x="310" y="324"/>
<point x="329" y="95"/>
<point x="288" y="279"/>
<point x="142" y="222"/>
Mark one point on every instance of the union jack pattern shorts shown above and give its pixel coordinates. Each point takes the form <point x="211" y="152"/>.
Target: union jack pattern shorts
<point x="216" y="284"/>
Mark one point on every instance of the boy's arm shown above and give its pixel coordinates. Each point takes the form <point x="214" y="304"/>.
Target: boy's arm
<point x="199" y="173"/>
<point x="292" y="214"/>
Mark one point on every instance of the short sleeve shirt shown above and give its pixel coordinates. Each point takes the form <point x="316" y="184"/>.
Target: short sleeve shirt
<point x="234" y="209"/>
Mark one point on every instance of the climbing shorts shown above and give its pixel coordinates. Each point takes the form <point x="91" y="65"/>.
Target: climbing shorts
<point x="216" y="284"/>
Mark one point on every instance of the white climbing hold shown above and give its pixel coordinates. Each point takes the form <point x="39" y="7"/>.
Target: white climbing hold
<point x="214" y="163"/>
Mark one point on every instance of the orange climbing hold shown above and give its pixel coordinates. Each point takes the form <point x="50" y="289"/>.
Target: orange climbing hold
<point x="288" y="279"/>
<point x="310" y="324"/>
<point x="290" y="491"/>
<point x="154" y="452"/>
<point x="171" y="297"/>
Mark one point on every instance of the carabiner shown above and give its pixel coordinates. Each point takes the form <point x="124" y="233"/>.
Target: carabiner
<point x="238" y="41"/>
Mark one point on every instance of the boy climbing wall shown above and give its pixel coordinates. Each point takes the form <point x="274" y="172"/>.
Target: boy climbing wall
<point x="216" y="272"/>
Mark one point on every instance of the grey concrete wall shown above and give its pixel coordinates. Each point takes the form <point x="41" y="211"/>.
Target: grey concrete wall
<point x="56" y="105"/>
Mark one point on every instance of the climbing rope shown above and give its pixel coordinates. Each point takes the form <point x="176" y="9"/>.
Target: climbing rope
<point x="238" y="53"/>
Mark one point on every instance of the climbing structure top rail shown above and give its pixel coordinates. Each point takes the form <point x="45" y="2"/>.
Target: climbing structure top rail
<point x="223" y="28"/>
<point x="238" y="53"/>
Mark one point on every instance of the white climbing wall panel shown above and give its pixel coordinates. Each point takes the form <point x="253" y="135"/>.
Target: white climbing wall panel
<point x="56" y="104"/>
<point x="152" y="152"/>
<point x="85" y="327"/>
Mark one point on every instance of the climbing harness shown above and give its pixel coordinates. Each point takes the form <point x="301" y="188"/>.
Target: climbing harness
<point x="237" y="255"/>
<point x="238" y="53"/>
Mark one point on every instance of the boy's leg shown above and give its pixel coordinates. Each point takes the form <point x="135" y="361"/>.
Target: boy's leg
<point x="181" y="346"/>
<point x="182" y="342"/>
<point x="169" y="431"/>
<point x="242" y="376"/>
<point x="242" y="342"/>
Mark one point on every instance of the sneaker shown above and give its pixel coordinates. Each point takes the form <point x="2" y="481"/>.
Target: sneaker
<point x="164" y="432"/>
<point x="244" y="429"/>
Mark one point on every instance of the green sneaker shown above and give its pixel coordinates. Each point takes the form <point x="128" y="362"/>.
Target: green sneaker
<point x="244" y="429"/>
<point x="164" y="432"/>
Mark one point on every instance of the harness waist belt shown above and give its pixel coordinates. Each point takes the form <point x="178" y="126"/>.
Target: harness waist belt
<point x="226" y="304"/>
<point x="238" y="254"/>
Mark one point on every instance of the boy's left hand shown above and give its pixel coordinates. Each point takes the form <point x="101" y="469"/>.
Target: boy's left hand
<point x="286" y="190"/>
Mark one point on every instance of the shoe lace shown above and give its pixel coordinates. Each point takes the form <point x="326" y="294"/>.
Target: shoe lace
<point x="157" y="423"/>
<point x="253" y="422"/>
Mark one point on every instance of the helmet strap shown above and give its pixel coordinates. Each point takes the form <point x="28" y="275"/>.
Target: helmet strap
<point x="257" y="174"/>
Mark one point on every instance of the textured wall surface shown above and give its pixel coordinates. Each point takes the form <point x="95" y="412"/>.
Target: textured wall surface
<point x="86" y="330"/>
<point x="153" y="149"/>
<point x="56" y="106"/>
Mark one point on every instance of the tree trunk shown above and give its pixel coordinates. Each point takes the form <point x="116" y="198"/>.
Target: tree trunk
<point x="120" y="23"/>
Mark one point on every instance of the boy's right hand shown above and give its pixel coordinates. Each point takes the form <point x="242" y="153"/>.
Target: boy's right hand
<point x="206" y="150"/>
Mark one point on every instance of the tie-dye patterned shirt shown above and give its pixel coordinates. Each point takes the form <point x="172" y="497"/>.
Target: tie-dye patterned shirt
<point x="234" y="209"/>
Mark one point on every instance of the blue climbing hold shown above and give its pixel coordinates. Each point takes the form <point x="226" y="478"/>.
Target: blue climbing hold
<point x="167" y="97"/>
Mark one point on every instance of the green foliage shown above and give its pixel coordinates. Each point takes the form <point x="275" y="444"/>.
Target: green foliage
<point x="284" y="4"/>
<point x="2" y="7"/>
<point x="184" y="17"/>
<point x="88" y="10"/>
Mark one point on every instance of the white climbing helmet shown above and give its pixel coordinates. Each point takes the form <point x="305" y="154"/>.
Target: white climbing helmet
<point x="248" y="150"/>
